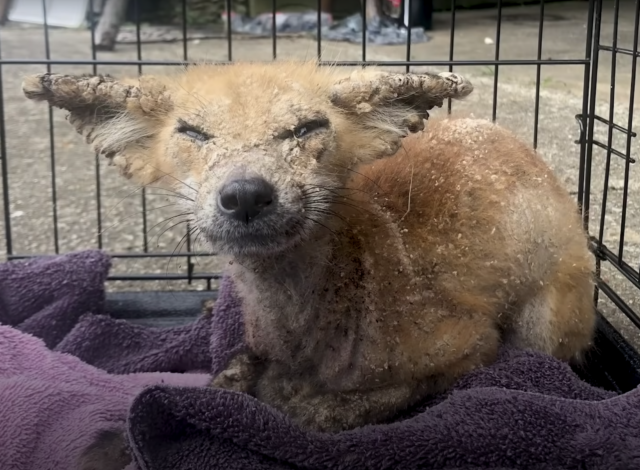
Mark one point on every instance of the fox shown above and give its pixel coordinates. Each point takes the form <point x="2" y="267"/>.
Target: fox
<point x="379" y="254"/>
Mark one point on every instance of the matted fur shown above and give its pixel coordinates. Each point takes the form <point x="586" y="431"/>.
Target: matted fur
<point x="376" y="281"/>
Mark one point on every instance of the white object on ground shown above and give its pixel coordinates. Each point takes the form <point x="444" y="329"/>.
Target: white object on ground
<point x="61" y="13"/>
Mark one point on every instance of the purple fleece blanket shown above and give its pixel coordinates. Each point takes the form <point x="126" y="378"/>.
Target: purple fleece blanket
<point x="526" y="411"/>
<point x="52" y="404"/>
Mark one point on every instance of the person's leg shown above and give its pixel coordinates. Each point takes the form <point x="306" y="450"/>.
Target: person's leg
<point x="373" y="9"/>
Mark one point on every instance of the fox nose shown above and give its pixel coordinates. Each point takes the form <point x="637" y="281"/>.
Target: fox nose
<point x="246" y="199"/>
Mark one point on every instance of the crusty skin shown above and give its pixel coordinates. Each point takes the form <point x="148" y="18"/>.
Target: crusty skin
<point x="392" y="264"/>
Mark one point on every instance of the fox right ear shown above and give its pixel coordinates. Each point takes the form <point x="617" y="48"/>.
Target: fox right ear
<point x="117" y="119"/>
<point x="393" y="105"/>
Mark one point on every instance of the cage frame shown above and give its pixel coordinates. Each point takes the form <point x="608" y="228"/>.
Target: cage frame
<point x="613" y="363"/>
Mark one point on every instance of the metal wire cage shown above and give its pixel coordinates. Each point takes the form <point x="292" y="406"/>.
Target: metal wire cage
<point x="56" y="199"/>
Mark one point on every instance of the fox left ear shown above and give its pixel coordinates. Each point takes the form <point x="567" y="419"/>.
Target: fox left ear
<point x="117" y="119"/>
<point x="399" y="101"/>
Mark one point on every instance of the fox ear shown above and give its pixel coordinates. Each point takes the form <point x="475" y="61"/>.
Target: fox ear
<point x="117" y="119"/>
<point x="396" y="104"/>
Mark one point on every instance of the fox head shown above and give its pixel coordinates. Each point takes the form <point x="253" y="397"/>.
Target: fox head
<point x="256" y="149"/>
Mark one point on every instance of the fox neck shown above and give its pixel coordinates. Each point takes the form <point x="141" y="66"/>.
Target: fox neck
<point x="309" y="288"/>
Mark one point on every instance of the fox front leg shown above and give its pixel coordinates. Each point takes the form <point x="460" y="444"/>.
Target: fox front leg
<point x="109" y="451"/>
<point x="241" y="374"/>
<point x="328" y="411"/>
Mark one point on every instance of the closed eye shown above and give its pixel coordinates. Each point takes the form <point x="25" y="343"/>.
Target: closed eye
<point x="306" y="129"/>
<point x="192" y="131"/>
<point x="310" y="127"/>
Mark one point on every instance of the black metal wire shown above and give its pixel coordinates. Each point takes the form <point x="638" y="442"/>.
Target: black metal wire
<point x="582" y="118"/>
<point x="364" y="30"/>
<point x="98" y="178"/>
<point x="229" y="35"/>
<point x="190" y="265"/>
<point x="619" y="302"/>
<point x="593" y="88"/>
<point x="630" y="135"/>
<point x="185" y="56"/>
<point x="451" y="46"/>
<point x="52" y="154"/>
<point x="617" y="127"/>
<point x="536" y="112"/>
<point x="274" y="43"/>
<point x="165" y="277"/>
<point x="606" y="254"/>
<point x="589" y="155"/>
<point x="4" y="167"/>
<point x="319" y="39"/>
<point x="496" y="69"/>
<point x="342" y="63"/>
<point x="185" y="25"/>
<point x="613" y="151"/>
<point x="620" y="50"/>
<point x="143" y="192"/>
<point x="131" y="255"/>
<point x="407" y="4"/>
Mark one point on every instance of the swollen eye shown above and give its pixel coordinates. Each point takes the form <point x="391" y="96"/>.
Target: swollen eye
<point x="195" y="135"/>
<point x="192" y="132"/>
<point x="307" y="128"/>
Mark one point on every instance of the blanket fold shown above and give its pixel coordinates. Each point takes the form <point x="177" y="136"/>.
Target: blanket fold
<point x="69" y="371"/>
<point x="53" y="401"/>
<point x="514" y="414"/>
<point x="46" y="296"/>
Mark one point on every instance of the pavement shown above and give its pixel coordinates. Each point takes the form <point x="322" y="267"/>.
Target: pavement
<point x="561" y="88"/>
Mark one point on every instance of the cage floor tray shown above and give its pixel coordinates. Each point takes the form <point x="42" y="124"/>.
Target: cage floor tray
<point x="611" y="364"/>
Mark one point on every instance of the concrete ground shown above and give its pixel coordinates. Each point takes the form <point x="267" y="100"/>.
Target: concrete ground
<point x="561" y="89"/>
